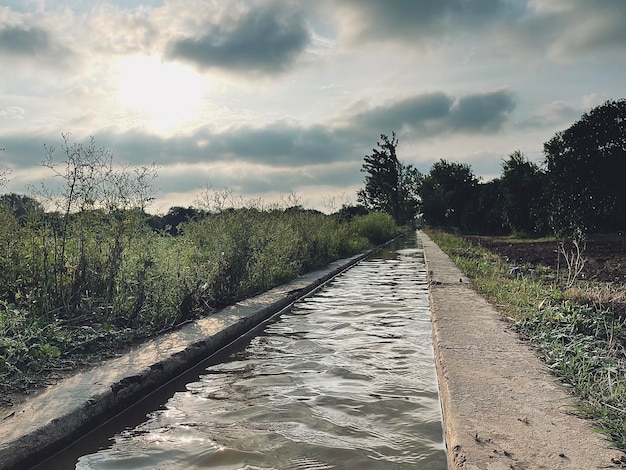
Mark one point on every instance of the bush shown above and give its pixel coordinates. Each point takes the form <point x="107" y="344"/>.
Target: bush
<point x="375" y="227"/>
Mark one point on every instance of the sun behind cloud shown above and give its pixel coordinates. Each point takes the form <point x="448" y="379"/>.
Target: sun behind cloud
<point x="165" y="96"/>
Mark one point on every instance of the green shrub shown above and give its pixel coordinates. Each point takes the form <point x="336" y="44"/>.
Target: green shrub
<point x="376" y="227"/>
<point x="94" y="279"/>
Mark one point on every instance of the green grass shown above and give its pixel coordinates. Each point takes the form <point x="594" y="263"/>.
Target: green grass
<point x="515" y="297"/>
<point x="583" y="343"/>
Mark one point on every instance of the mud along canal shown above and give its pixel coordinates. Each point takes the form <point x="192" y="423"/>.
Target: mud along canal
<point x="345" y="379"/>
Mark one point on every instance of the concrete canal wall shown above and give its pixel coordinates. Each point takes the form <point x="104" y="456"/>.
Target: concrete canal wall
<point x="502" y="409"/>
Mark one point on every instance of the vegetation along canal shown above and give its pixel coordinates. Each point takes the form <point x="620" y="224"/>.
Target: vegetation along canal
<point x="343" y="380"/>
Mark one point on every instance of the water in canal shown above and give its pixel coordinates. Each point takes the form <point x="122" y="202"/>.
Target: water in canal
<point x="344" y="380"/>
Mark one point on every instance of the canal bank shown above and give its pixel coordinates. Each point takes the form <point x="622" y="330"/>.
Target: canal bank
<point x="51" y="420"/>
<point x="502" y="409"/>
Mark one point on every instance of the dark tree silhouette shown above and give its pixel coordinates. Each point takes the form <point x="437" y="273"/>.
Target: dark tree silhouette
<point x="585" y="167"/>
<point x="489" y="217"/>
<point x="22" y="206"/>
<point x="390" y="186"/>
<point x="176" y="216"/>
<point x="449" y="196"/>
<point x="522" y="188"/>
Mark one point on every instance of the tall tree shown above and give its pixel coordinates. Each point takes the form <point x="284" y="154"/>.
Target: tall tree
<point x="449" y="195"/>
<point x="585" y="171"/>
<point x="523" y="194"/>
<point x="489" y="215"/>
<point x="390" y="186"/>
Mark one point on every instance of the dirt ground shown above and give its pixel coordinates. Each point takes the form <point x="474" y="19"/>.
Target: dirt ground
<point x="604" y="255"/>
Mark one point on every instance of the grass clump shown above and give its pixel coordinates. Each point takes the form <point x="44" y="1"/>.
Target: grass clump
<point x="578" y="328"/>
<point x="584" y="346"/>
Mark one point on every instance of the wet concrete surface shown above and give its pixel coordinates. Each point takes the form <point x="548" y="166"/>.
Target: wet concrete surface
<point x="502" y="408"/>
<point x="50" y="420"/>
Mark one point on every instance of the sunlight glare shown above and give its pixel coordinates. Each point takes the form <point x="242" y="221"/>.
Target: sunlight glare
<point x="165" y="95"/>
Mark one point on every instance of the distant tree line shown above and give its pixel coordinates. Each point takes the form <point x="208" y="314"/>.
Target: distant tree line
<point x="579" y="187"/>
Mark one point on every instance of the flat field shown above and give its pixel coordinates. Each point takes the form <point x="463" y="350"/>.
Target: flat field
<point x="604" y="255"/>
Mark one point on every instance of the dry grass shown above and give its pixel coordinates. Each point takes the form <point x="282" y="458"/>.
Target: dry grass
<point x="603" y="297"/>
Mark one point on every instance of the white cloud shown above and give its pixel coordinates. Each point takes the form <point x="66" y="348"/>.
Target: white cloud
<point x="593" y="99"/>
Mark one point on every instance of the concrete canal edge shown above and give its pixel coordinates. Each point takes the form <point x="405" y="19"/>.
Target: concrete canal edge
<point x="501" y="407"/>
<point x="53" y="419"/>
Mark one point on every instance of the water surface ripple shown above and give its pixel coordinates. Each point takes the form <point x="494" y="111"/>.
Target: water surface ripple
<point x="344" y="380"/>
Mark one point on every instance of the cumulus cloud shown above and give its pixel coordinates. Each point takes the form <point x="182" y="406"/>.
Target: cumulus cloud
<point x="276" y="159"/>
<point x="593" y="27"/>
<point x="439" y="113"/>
<point x="278" y="144"/>
<point x="291" y="144"/>
<point x="367" y="20"/>
<point x="266" y="39"/>
<point x="567" y="29"/>
<point x="21" y="41"/>
<point x="482" y="112"/>
<point x="560" y="29"/>
<point x="23" y="151"/>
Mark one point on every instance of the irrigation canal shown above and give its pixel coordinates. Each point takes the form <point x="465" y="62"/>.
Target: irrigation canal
<point x="344" y="380"/>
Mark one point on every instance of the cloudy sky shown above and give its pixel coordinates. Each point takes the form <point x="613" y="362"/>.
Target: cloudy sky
<point x="269" y="98"/>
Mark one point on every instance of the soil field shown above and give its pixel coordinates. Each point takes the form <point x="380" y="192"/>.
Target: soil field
<point x="604" y="255"/>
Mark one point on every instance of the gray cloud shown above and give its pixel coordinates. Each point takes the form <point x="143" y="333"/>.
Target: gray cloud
<point x="280" y="157"/>
<point x="561" y="29"/>
<point x="556" y="114"/>
<point x="281" y="180"/>
<point x="282" y="144"/>
<point x="278" y="144"/>
<point x="592" y="26"/>
<point x="23" y="45"/>
<point x="23" y="151"/>
<point x="264" y="39"/>
<point x="481" y="113"/>
<point x="15" y="40"/>
<point x="421" y="111"/>
<point x="438" y="113"/>
<point x="414" y="19"/>
<point x="566" y="29"/>
<point x="290" y="144"/>
<point x="277" y="158"/>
